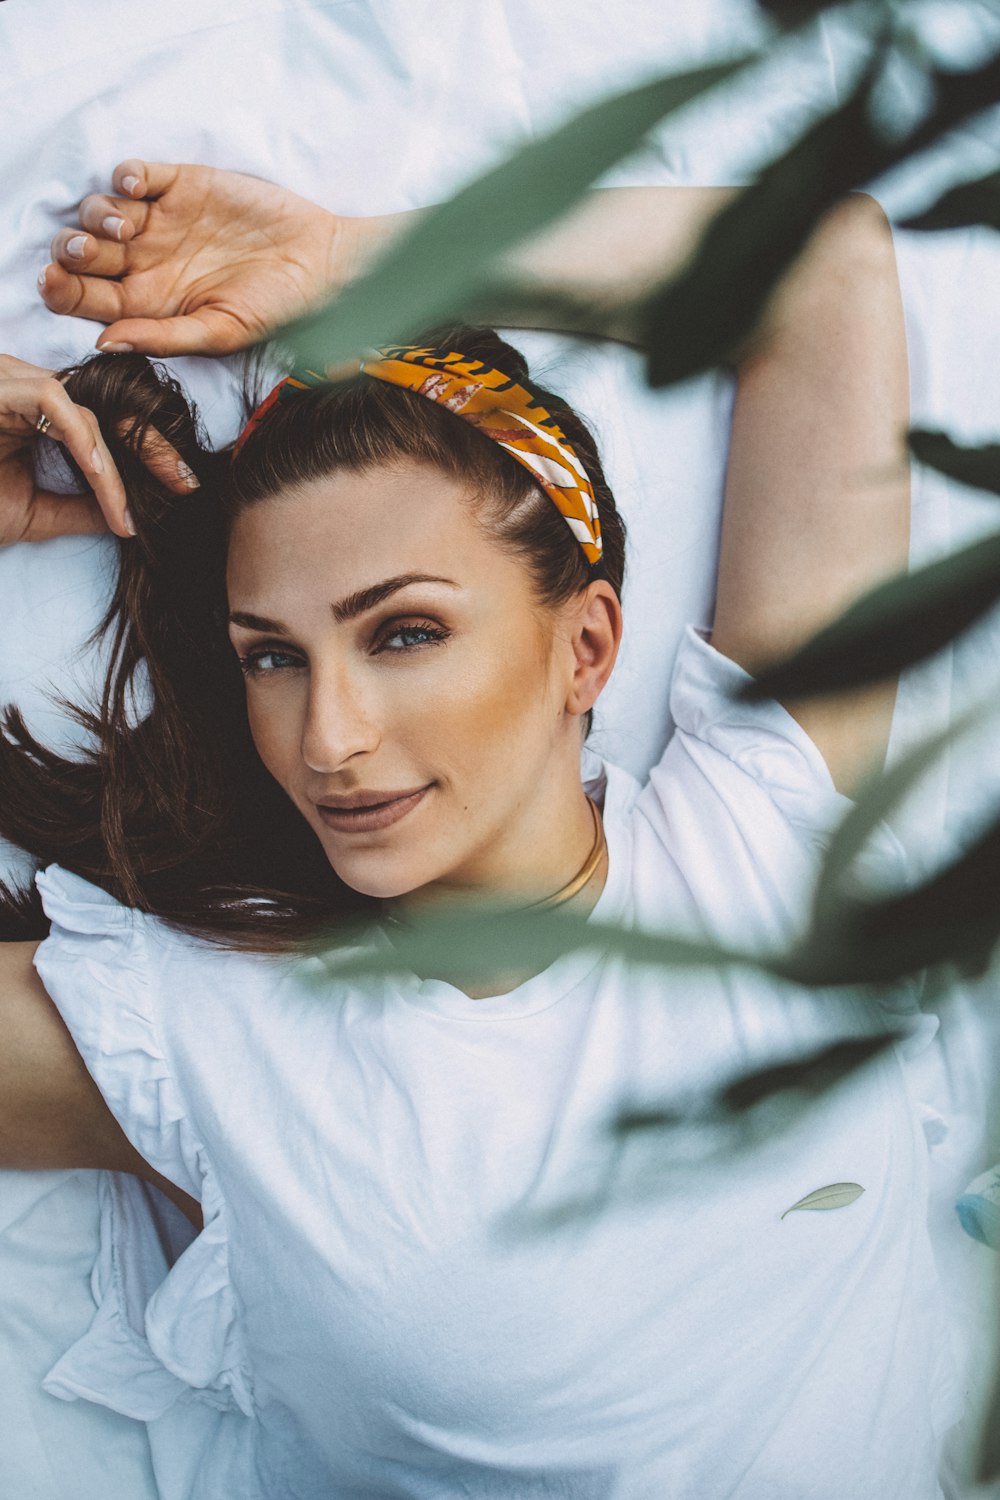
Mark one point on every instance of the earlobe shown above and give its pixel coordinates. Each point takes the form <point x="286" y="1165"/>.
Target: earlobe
<point x="597" y="630"/>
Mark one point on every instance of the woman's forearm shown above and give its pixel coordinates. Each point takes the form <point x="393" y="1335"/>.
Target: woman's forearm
<point x="614" y="246"/>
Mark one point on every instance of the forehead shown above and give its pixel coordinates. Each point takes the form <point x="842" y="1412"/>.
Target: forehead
<point x="350" y="529"/>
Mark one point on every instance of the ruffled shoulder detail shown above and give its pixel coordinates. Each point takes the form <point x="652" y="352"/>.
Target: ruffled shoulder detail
<point x="166" y="1327"/>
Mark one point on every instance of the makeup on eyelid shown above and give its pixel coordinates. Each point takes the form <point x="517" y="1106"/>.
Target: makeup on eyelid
<point x="384" y="633"/>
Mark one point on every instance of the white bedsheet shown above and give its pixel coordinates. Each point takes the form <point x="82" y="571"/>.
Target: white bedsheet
<point x="375" y="105"/>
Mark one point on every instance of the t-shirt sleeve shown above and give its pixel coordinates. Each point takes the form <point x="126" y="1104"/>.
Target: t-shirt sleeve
<point x="744" y="802"/>
<point x="743" y="805"/>
<point x="166" y="1328"/>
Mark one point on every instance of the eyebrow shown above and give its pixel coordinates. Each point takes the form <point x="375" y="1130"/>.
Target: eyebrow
<point x="349" y="607"/>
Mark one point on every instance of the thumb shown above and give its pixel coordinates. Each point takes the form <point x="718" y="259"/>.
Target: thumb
<point x="204" y="332"/>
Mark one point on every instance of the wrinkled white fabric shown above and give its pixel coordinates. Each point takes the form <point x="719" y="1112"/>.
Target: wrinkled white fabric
<point x="368" y="1304"/>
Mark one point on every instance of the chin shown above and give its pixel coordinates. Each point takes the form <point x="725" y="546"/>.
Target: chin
<point x="377" y="873"/>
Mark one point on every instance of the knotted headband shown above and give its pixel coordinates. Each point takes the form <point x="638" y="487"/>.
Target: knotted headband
<point x="496" y="405"/>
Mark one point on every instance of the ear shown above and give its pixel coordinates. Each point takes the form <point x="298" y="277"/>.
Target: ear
<point x="595" y="623"/>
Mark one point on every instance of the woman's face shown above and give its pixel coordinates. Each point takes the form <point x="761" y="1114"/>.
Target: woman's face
<point x="404" y="687"/>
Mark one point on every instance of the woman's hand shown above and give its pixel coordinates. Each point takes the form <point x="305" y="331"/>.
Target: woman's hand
<point x="29" y="514"/>
<point x="193" y="260"/>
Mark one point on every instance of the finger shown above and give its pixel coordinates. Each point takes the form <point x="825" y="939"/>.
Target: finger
<point x="135" y="178"/>
<point x="78" y="431"/>
<point x="206" y="331"/>
<point x="162" y="459"/>
<point x="52" y="515"/>
<point x="116" y="219"/>
<point x="76" y="251"/>
<point x="81" y="296"/>
<point x="19" y="369"/>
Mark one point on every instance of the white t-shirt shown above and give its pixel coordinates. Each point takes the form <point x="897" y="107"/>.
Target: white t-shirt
<point x="368" y="1311"/>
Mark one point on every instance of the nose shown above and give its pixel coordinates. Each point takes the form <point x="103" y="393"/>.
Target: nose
<point x="338" y="725"/>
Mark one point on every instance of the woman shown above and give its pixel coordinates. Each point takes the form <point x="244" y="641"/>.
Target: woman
<point x="424" y="612"/>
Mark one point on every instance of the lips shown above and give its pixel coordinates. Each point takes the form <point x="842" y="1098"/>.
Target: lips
<point x="365" y="812"/>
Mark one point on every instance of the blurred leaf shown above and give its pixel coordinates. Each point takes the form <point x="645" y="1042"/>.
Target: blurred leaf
<point x="952" y="917"/>
<point x="979" y="468"/>
<point x="427" y="276"/>
<point x="813" y="1075"/>
<point x="794" y="12"/>
<point x="873" y="804"/>
<point x="699" y="318"/>
<point x="976" y="202"/>
<point x="987" y="1449"/>
<point x="836" y="1195"/>
<point x="724" y="1129"/>
<point x="959" y="94"/>
<point x="487" y="945"/>
<point x="895" y="624"/>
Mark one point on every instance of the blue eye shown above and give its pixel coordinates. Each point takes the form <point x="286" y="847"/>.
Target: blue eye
<point x="412" y="636"/>
<point x="266" y="661"/>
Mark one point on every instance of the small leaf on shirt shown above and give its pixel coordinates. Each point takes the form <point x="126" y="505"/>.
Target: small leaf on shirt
<point x="835" y="1196"/>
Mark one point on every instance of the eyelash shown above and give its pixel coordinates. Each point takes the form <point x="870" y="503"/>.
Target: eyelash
<point x="250" y="664"/>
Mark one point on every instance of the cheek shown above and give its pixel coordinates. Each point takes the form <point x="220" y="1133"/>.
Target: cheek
<point x="274" y="730"/>
<point x="499" y="698"/>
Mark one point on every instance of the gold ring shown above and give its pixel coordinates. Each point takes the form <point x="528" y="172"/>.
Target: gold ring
<point x="43" y="424"/>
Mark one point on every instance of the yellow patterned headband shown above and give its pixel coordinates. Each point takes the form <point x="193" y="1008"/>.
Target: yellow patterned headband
<point x="496" y="405"/>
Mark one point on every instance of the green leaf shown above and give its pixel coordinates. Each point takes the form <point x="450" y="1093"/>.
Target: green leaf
<point x="702" y="316"/>
<point x="876" y="799"/>
<point x="950" y="920"/>
<point x="958" y="95"/>
<point x="724" y="1128"/>
<point x="794" y="12"/>
<point x="986" y="1462"/>
<point x="975" y="202"/>
<point x="979" y="468"/>
<point x="814" y="1075"/>
<point x="836" y="1195"/>
<point x="426" y="277"/>
<point x="954" y="917"/>
<point x="488" y="945"/>
<point x="895" y="624"/>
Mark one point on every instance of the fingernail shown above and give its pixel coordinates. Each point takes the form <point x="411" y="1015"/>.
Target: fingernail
<point x="112" y="348"/>
<point x="41" y="279"/>
<point x="77" y="246"/>
<point x="129" y="523"/>
<point x="97" y="462"/>
<point x="187" y="476"/>
<point x="114" y="226"/>
<point x="130" y="184"/>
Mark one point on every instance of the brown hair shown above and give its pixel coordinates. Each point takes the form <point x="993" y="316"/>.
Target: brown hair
<point x="173" y="812"/>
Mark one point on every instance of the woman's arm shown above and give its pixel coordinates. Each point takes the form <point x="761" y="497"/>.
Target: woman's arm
<point x="193" y="260"/>
<point x="817" y="491"/>
<point x="52" y="1114"/>
<point x="817" y="505"/>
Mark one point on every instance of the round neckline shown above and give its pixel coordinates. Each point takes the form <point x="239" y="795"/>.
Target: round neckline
<point x="550" y="986"/>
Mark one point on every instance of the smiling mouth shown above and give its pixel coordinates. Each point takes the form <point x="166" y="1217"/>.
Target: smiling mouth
<point x="369" y="819"/>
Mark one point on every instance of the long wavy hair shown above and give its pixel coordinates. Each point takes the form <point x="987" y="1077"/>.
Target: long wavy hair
<point x="170" y="809"/>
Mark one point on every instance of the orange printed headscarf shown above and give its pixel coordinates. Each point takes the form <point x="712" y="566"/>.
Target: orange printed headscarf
<point x="496" y="405"/>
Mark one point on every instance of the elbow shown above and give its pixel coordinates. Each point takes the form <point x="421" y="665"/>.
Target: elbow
<point x="857" y="233"/>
